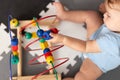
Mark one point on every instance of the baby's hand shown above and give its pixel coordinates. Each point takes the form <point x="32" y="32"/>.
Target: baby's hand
<point x="56" y="38"/>
<point x="60" y="11"/>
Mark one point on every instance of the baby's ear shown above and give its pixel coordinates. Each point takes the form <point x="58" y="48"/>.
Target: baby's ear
<point x="102" y="8"/>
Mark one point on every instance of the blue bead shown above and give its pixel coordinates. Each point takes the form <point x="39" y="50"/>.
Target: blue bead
<point x="46" y="50"/>
<point x="14" y="42"/>
<point x="40" y="33"/>
<point x="46" y="35"/>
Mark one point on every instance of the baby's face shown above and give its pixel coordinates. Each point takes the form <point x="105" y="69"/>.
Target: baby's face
<point x="112" y="18"/>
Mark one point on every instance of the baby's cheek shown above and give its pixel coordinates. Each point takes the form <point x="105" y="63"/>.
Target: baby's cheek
<point x="106" y="22"/>
<point x="104" y="19"/>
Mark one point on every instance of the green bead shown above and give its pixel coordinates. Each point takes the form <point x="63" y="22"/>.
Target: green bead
<point x="42" y="40"/>
<point x="14" y="60"/>
<point x="28" y="35"/>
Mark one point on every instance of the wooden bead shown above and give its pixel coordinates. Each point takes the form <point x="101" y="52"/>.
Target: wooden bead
<point x="34" y="35"/>
<point x="40" y="33"/>
<point x="46" y="35"/>
<point x="47" y="52"/>
<point x="14" y="48"/>
<point x="54" y="30"/>
<point x="33" y="22"/>
<point x="14" y="42"/>
<point x="43" y="45"/>
<point x="49" y="59"/>
<point x="28" y="35"/>
<point x="14" y="59"/>
<point x="42" y="40"/>
<point x="15" y="53"/>
<point x="14" y="22"/>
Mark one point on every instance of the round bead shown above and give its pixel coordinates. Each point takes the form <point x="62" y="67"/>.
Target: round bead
<point x="43" y="45"/>
<point x="28" y="35"/>
<point x="14" y="59"/>
<point x="46" y="50"/>
<point x="48" y="54"/>
<point x="14" y="48"/>
<point x="42" y="40"/>
<point x="14" y="42"/>
<point x="40" y="33"/>
<point x="14" y="22"/>
<point x="34" y="35"/>
<point x="54" y="30"/>
<point x="47" y="35"/>
<point x="15" y="53"/>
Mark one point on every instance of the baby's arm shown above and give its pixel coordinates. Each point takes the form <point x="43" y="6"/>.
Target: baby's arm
<point x="91" y="18"/>
<point x="79" y="16"/>
<point x="77" y="44"/>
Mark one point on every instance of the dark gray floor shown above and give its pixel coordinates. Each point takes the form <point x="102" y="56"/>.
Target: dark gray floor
<point x="82" y="4"/>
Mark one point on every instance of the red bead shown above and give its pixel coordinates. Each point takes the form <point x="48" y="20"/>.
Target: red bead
<point x="48" y="54"/>
<point x="54" y="30"/>
<point x="14" y="48"/>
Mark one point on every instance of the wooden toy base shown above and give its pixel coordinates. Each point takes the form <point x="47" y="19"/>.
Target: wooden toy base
<point x="43" y="77"/>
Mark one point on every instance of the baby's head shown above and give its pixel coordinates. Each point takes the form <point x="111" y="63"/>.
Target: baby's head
<point x="113" y="4"/>
<point x="112" y="15"/>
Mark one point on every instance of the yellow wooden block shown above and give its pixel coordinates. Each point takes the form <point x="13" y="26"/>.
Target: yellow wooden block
<point x="15" y="53"/>
<point x="33" y="24"/>
<point x="49" y="59"/>
<point x="34" y="35"/>
<point x="44" y="45"/>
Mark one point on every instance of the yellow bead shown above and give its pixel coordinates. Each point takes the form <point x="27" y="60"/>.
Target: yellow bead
<point x="14" y="22"/>
<point x="33" y="24"/>
<point x="15" y="53"/>
<point x="34" y="35"/>
<point x="43" y="45"/>
<point x="49" y="59"/>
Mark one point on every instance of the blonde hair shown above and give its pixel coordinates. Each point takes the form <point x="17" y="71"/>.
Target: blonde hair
<point x="113" y="4"/>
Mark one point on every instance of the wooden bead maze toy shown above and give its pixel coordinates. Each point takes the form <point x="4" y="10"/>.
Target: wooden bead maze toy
<point x="42" y="36"/>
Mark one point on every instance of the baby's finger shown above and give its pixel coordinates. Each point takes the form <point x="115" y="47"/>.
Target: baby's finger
<point x="52" y="34"/>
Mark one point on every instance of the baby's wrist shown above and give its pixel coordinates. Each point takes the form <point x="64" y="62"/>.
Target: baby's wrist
<point x="64" y="15"/>
<point x="61" y="38"/>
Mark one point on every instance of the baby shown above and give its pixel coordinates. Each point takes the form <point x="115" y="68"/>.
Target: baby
<point x="102" y="46"/>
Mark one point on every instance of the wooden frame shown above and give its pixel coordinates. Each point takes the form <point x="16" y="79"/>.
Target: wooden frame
<point x="19" y="66"/>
